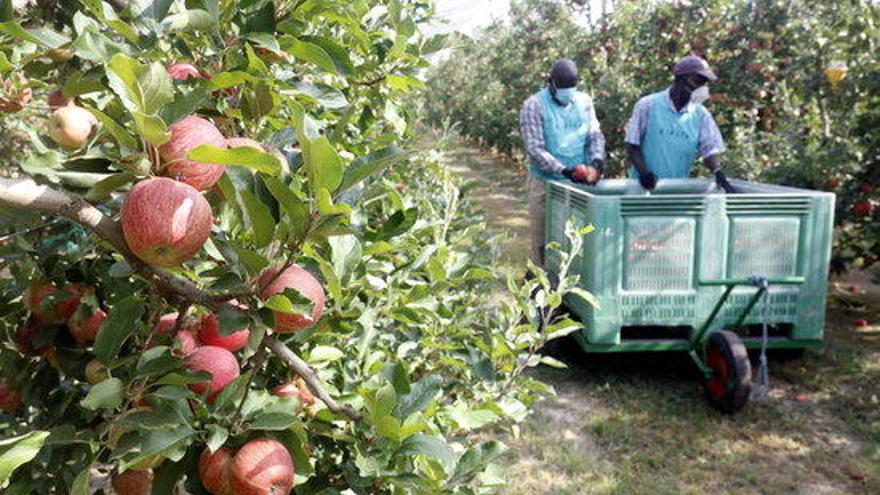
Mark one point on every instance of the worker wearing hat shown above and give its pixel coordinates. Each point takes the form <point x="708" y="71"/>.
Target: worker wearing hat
<point x="560" y="131"/>
<point x="669" y="129"/>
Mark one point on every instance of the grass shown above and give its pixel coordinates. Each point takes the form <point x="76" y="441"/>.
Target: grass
<point x="637" y="424"/>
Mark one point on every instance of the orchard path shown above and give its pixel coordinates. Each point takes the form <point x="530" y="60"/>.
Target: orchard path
<point x="637" y="424"/>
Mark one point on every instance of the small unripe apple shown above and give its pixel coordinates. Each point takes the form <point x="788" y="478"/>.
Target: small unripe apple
<point x="299" y="279"/>
<point x="96" y="372"/>
<point x="187" y="134"/>
<point x="84" y="324"/>
<point x="214" y="471"/>
<point x="165" y="222"/>
<point x="219" y="362"/>
<point x="209" y="334"/>
<point x="182" y="71"/>
<point x="10" y="399"/>
<point x="133" y="482"/>
<point x="297" y="389"/>
<point x="71" y="126"/>
<point x="262" y="467"/>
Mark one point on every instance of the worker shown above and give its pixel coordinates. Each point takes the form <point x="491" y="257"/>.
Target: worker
<point x="669" y="129"/>
<point x="560" y="131"/>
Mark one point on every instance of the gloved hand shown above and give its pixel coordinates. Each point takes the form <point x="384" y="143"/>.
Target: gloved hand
<point x="721" y="180"/>
<point x="569" y="174"/>
<point x="648" y="180"/>
<point x="599" y="165"/>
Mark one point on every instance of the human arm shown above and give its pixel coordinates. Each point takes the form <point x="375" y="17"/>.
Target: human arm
<point x="711" y="146"/>
<point x="635" y="132"/>
<point x="596" y="142"/>
<point x="532" y="131"/>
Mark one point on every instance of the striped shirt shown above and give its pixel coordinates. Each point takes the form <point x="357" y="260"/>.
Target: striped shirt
<point x="532" y="129"/>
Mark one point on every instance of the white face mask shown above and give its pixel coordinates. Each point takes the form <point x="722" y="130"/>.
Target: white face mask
<point x="700" y="94"/>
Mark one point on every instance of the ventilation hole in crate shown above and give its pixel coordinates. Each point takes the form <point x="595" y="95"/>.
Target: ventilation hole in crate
<point x="655" y="332"/>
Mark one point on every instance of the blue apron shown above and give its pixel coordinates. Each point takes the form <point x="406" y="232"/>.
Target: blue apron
<point x="672" y="139"/>
<point x="566" y="132"/>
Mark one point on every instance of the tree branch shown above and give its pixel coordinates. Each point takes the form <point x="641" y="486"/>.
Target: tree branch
<point x="308" y="375"/>
<point x="26" y="194"/>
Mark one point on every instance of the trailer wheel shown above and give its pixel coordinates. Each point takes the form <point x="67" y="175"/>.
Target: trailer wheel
<point x="728" y="388"/>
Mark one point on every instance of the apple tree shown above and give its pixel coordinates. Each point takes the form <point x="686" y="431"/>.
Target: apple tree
<point x="227" y="270"/>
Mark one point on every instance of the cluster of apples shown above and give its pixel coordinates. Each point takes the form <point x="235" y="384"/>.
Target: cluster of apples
<point x="51" y="309"/>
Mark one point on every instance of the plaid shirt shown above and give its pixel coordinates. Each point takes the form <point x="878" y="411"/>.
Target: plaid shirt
<point x="710" y="140"/>
<point x="532" y="129"/>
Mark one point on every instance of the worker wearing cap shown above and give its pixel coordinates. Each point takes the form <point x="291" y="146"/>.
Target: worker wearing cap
<point x="560" y="131"/>
<point x="669" y="129"/>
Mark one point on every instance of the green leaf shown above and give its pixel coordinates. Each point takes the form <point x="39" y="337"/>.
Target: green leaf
<point x="586" y="296"/>
<point x="156" y="441"/>
<point x="42" y="37"/>
<point x="217" y="436"/>
<point x="166" y="476"/>
<point x="102" y="189"/>
<point x="274" y="421"/>
<point x="338" y="54"/>
<point x="189" y="20"/>
<point x="263" y="40"/>
<point x="367" y="165"/>
<point x="183" y="105"/>
<point x="296" y="210"/>
<point x="398" y="223"/>
<point x="80" y="484"/>
<point x="434" y="44"/>
<point x="476" y="459"/>
<point x="107" y="394"/>
<point x="553" y="362"/>
<point x="223" y="80"/>
<point x="143" y="90"/>
<point x="122" y="321"/>
<point x="157" y="361"/>
<point x="152" y="9"/>
<point x="310" y="52"/>
<point x="261" y="221"/>
<point x="323" y="353"/>
<point x="404" y="83"/>
<point x="326" y="206"/>
<point x="17" y="451"/>
<point x="122" y="136"/>
<point x="105" y="12"/>
<point x="388" y="427"/>
<point x="291" y="302"/>
<point x="232" y="319"/>
<point x="245" y="156"/>
<point x="420" y="397"/>
<point x="431" y="446"/>
<point x="471" y="419"/>
<point x="345" y="254"/>
<point x="323" y="164"/>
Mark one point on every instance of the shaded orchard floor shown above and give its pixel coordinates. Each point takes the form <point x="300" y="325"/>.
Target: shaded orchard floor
<point x="637" y="424"/>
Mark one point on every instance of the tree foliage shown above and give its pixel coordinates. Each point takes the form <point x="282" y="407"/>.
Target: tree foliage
<point x="784" y="119"/>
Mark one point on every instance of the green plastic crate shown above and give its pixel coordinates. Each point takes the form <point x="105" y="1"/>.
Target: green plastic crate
<point x="649" y="252"/>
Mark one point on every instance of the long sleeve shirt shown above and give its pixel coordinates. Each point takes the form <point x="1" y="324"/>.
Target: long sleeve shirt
<point x="532" y="129"/>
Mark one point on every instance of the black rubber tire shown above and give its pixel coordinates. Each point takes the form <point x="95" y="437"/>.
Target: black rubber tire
<point x="728" y="390"/>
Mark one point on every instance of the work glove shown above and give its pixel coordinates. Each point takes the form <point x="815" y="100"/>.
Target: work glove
<point x="648" y="180"/>
<point x="599" y="165"/>
<point x="721" y="180"/>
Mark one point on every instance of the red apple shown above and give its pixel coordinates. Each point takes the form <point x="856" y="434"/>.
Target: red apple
<point x="214" y="471"/>
<point x="209" y="334"/>
<point x="262" y="467"/>
<point x="10" y="399"/>
<point x="133" y="482"/>
<point x="65" y="304"/>
<point x="189" y="133"/>
<point x="861" y="322"/>
<point x="95" y="372"/>
<point x="71" y="126"/>
<point x="165" y="222"/>
<point x="84" y="324"/>
<point x="297" y="278"/>
<point x="580" y="173"/>
<point x="57" y="99"/>
<point x="219" y="362"/>
<point x="863" y="207"/>
<point x="182" y="71"/>
<point x="188" y="341"/>
<point x="166" y="325"/>
<point x="296" y="389"/>
<point x="32" y="338"/>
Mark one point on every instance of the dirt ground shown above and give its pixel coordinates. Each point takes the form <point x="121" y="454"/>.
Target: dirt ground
<point x="637" y="424"/>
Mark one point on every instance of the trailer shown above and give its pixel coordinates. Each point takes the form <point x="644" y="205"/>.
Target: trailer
<point x="689" y="268"/>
